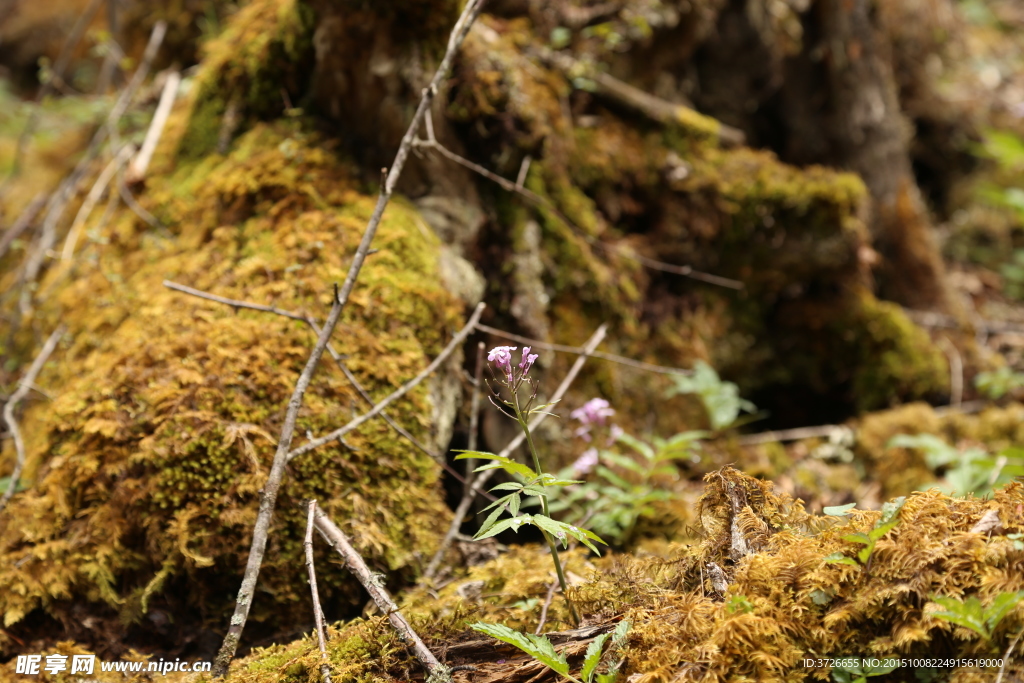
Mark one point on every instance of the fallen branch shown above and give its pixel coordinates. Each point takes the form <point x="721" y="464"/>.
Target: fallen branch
<point x="375" y="587"/>
<point x="686" y="271"/>
<point x="24" y="386"/>
<point x="614" y="358"/>
<point x="478" y="483"/>
<point x="455" y="343"/>
<point x="654" y="108"/>
<point x="282" y="456"/>
<point x="91" y="199"/>
<point x="318" y="612"/>
<point x="140" y="164"/>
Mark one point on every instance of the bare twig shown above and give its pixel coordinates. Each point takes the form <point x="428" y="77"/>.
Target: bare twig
<point x="22" y="223"/>
<point x="1006" y="657"/>
<point x="139" y="165"/>
<point x="375" y="587"/>
<point x="654" y="108"/>
<point x="281" y="457"/>
<point x="474" y="410"/>
<point x="24" y="386"/>
<point x="455" y="343"/>
<point x="234" y="303"/>
<point x="474" y="416"/>
<point x="478" y="482"/>
<point x="544" y="608"/>
<point x="614" y="358"/>
<point x="524" y="171"/>
<point x="508" y="185"/>
<point x="91" y="199"/>
<point x="133" y="204"/>
<point x="318" y="612"/>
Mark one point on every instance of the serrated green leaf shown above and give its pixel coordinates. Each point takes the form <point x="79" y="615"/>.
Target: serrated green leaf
<point x="508" y="486"/>
<point x="592" y="657"/>
<point x="513" y="504"/>
<point x="838" y="510"/>
<point x="538" y="647"/>
<point x="509" y="465"/>
<point x="513" y="523"/>
<point x="491" y="520"/>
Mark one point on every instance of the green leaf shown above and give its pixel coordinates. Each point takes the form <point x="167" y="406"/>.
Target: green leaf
<point x="859" y="537"/>
<point x="512" y="523"/>
<point x="507" y="464"/>
<point x="840" y="558"/>
<point x="968" y="613"/>
<point x="538" y="647"/>
<point x="592" y="657"/>
<point x="549" y="525"/>
<point x="838" y="510"/>
<point x="508" y="486"/>
<point x="620" y="632"/>
<point x="1000" y="607"/>
<point x="513" y="504"/>
<point x="469" y="455"/>
<point x="491" y="519"/>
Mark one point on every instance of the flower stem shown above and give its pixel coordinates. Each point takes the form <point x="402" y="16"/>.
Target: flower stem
<point x="544" y="510"/>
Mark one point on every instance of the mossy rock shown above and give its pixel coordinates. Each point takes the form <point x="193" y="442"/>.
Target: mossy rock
<point x="145" y="470"/>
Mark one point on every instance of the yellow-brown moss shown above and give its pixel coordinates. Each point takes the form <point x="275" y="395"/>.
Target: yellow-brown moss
<point x="793" y="605"/>
<point x="146" y="468"/>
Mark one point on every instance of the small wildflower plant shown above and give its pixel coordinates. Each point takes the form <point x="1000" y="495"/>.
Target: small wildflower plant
<point x="510" y="382"/>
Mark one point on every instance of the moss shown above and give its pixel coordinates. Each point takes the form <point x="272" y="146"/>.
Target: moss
<point x="261" y="54"/>
<point x="146" y="469"/>
<point x="794" y="605"/>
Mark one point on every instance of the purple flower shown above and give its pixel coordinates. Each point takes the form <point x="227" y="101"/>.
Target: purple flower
<point x="585" y="462"/>
<point x="501" y="355"/>
<point x="528" y="359"/>
<point x="593" y="412"/>
<point x="614" y="433"/>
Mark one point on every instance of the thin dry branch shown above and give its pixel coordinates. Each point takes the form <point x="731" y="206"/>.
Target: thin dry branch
<point x="374" y="585"/>
<point x="538" y="200"/>
<point x="467" y="499"/>
<point x="651" y="106"/>
<point x="614" y="358"/>
<point x="474" y="418"/>
<point x="140" y="164"/>
<point x="1006" y="657"/>
<point x="269" y="497"/>
<point x="234" y="303"/>
<point x="318" y="612"/>
<point x="93" y="198"/>
<point x="24" y="386"/>
<point x="455" y="343"/>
